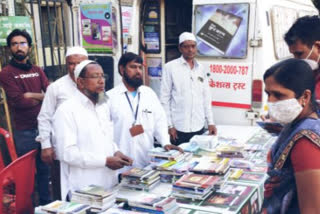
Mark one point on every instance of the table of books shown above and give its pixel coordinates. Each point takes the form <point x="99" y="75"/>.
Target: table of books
<point x="223" y="174"/>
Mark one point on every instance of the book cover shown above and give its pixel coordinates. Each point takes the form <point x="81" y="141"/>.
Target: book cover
<point x="95" y="191"/>
<point x="219" y="200"/>
<point x="219" y="30"/>
<point x="197" y="181"/>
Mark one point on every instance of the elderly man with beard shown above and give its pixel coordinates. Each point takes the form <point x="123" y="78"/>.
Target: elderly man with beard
<point x="25" y="85"/>
<point x="84" y="134"/>
<point x="136" y="112"/>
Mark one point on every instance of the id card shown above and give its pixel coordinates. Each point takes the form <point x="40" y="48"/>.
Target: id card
<point x="136" y="130"/>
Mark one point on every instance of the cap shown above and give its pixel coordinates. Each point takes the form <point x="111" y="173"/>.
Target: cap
<point x="76" y="50"/>
<point x="80" y="67"/>
<point x="186" y="36"/>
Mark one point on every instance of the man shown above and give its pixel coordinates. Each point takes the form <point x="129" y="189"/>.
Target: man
<point x="25" y="85"/>
<point x="84" y="134"/>
<point x="303" y="39"/>
<point x="58" y="92"/>
<point x="185" y="94"/>
<point x="136" y="112"/>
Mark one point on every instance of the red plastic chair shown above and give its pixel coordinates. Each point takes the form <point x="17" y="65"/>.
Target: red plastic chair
<point x="10" y="145"/>
<point x="17" y="185"/>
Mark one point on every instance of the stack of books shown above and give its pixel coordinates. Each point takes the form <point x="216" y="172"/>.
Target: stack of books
<point x="97" y="197"/>
<point x="195" y="186"/>
<point x="208" y="167"/>
<point x="154" y="204"/>
<point x="63" y="207"/>
<point x="161" y="153"/>
<point x="140" y="179"/>
<point x="230" y="151"/>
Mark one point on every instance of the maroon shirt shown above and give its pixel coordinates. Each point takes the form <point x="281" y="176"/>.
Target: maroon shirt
<point x="16" y="82"/>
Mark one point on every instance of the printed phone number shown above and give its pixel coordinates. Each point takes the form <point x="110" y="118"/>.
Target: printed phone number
<point x="229" y="69"/>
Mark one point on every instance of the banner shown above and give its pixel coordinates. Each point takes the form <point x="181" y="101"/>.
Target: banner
<point x="96" y="31"/>
<point x="9" y="23"/>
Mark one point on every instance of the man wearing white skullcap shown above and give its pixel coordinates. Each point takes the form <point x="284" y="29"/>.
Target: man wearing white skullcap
<point x="57" y="92"/>
<point x="84" y="131"/>
<point x="185" y="94"/>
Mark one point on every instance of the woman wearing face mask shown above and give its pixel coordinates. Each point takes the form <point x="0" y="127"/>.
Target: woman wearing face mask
<point x="294" y="159"/>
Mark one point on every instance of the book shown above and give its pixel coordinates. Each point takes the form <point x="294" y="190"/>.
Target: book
<point x="94" y="190"/>
<point x="220" y="200"/>
<point x="219" y="30"/>
<point x="197" y="181"/>
<point x="63" y="207"/>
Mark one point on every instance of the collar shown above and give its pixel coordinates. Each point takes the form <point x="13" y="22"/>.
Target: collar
<point x="183" y="61"/>
<point x="70" y="80"/>
<point x="26" y="67"/>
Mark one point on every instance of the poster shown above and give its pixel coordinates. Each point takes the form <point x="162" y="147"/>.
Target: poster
<point x="154" y="67"/>
<point x="126" y="23"/>
<point x="96" y="27"/>
<point x="222" y="30"/>
<point x="9" y="23"/>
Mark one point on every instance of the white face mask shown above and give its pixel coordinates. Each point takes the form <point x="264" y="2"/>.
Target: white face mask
<point x="285" y="111"/>
<point x="309" y="54"/>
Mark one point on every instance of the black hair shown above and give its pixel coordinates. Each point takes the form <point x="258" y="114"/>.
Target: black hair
<point x="84" y="70"/>
<point x="295" y="75"/>
<point x="128" y="57"/>
<point x="306" y="29"/>
<point x="18" y="32"/>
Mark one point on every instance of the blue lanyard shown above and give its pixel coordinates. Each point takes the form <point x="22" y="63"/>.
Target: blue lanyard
<point x="135" y="114"/>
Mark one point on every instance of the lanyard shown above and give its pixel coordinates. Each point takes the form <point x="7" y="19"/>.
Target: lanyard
<point x="135" y="114"/>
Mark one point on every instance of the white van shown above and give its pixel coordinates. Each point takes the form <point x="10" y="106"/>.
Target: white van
<point x="237" y="41"/>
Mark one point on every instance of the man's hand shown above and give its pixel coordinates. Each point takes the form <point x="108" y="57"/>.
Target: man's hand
<point x="47" y="155"/>
<point x="123" y="157"/>
<point x="116" y="163"/>
<point x="171" y="147"/>
<point x="212" y="129"/>
<point x="32" y="95"/>
<point x="173" y="134"/>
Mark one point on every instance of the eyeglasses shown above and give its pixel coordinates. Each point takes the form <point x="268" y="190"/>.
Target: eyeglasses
<point x="103" y="77"/>
<point x="21" y="44"/>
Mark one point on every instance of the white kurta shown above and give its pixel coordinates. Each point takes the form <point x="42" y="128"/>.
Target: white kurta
<point x="84" y="137"/>
<point x="57" y="92"/>
<point x="150" y="115"/>
<point x="185" y="96"/>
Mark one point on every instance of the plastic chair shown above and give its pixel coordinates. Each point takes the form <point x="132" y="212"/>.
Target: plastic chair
<point x="10" y="145"/>
<point x="17" y="185"/>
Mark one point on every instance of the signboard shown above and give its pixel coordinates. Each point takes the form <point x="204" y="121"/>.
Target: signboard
<point x="96" y="31"/>
<point x="222" y="30"/>
<point x="154" y="67"/>
<point x="9" y="23"/>
<point x="231" y="84"/>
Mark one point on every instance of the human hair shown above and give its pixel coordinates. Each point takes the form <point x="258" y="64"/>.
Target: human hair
<point x="84" y="70"/>
<point x="18" y="32"/>
<point x="129" y="57"/>
<point x="295" y="75"/>
<point x="306" y="29"/>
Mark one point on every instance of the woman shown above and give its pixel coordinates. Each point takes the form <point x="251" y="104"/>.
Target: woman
<point x="294" y="159"/>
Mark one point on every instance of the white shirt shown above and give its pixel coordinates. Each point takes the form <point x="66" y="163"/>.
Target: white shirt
<point x="185" y="96"/>
<point x="150" y="115"/>
<point x="85" y="139"/>
<point x="57" y="92"/>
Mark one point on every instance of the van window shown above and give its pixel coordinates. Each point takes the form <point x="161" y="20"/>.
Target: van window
<point x="222" y="30"/>
<point x="282" y="18"/>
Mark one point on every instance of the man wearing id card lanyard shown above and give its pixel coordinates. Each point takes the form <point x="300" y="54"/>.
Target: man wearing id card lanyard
<point x="136" y="112"/>
<point x="185" y="94"/>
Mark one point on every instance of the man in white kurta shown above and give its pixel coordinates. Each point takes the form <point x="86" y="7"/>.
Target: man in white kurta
<point x="57" y="92"/>
<point x="185" y="94"/>
<point x="84" y="134"/>
<point x="137" y="114"/>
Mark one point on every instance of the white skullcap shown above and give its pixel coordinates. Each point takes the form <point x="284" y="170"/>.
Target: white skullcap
<point x="186" y="36"/>
<point x="313" y="64"/>
<point x="80" y="66"/>
<point x="76" y="50"/>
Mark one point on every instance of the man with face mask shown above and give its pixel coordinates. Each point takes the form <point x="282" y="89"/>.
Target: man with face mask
<point x="303" y="39"/>
<point x="58" y="92"/>
<point x="25" y="85"/>
<point x="81" y="125"/>
<point x="136" y="112"/>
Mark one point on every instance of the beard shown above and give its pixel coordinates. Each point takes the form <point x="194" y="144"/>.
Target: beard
<point x="95" y="96"/>
<point x="134" y="82"/>
<point x="19" y="57"/>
